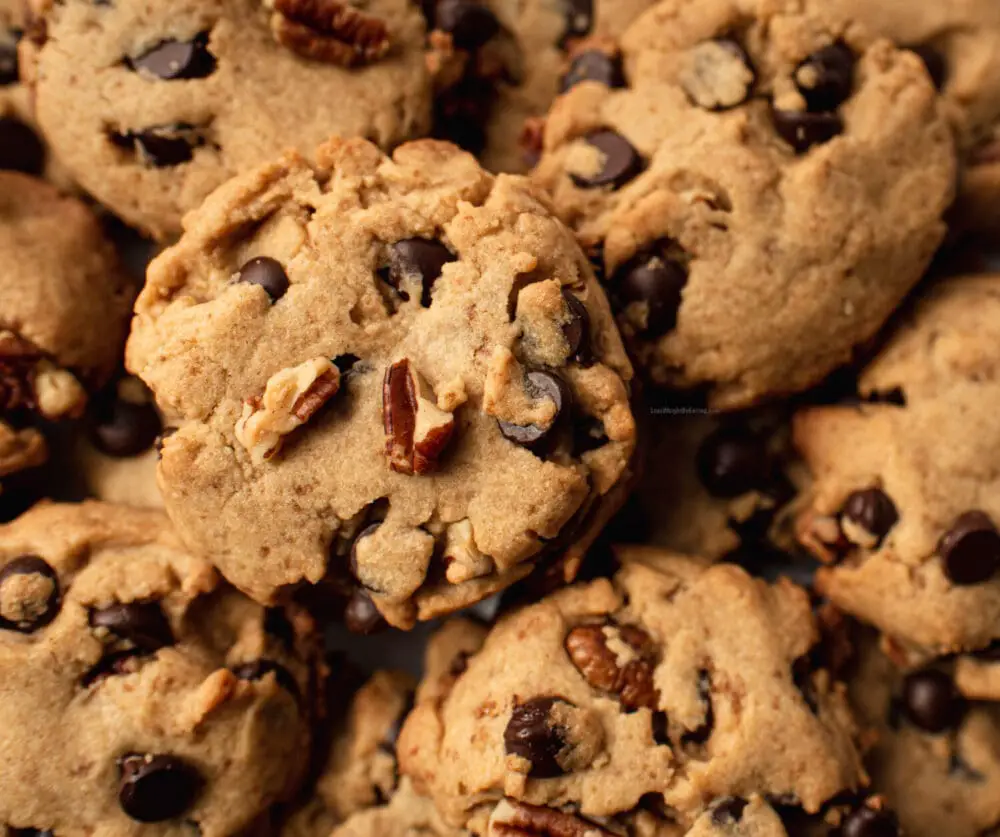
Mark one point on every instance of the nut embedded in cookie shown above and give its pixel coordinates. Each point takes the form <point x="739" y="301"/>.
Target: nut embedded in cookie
<point x="334" y="31"/>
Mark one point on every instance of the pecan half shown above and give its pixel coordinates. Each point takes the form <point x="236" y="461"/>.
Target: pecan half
<point x="518" y="819"/>
<point x="616" y="659"/>
<point x="331" y="31"/>
<point x="416" y="430"/>
<point x="291" y="397"/>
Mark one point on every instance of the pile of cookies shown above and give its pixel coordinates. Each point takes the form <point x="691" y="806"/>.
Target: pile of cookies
<point x="622" y="339"/>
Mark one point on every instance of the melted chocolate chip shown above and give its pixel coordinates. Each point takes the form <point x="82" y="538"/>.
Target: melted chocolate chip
<point x="259" y="669"/>
<point x="470" y="24"/>
<point x="141" y="623"/>
<point x="732" y="461"/>
<point x="655" y="279"/>
<point x="20" y="148"/>
<point x="417" y="258"/>
<point x="594" y="65"/>
<point x="620" y="162"/>
<point x="868" y="822"/>
<point x="122" y="429"/>
<point x="931" y="701"/>
<point x="577" y="330"/>
<point x="173" y="60"/>
<point x="804" y="130"/>
<point x="539" y="384"/>
<point x="33" y="615"/>
<point x="268" y="273"/>
<point x="873" y="511"/>
<point x="361" y="616"/>
<point x="825" y="79"/>
<point x="161" y="146"/>
<point x="970" y="550"/>
<point x="531" y="735"/>
<point x="154" y="788"/>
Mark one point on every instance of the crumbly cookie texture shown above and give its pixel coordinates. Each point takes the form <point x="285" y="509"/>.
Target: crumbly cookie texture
<point x="635" y="699"/>
<point x="749" y="191"/>
<point x="936" y="740"/>
<point x="401" y="370"/>
<point x="140" y="693"/>
<point x="903" y="501"/>
<point x="498" y="64"/>
<point x="151" y="107"/>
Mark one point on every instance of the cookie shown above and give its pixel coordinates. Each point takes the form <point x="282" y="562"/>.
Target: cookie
<point x="140" y="693"/>
<point x="151" y="107"/>
<point x="902" y="501"/>
<point x="936" y="751"/>
<point x="499" y="64"/>
<point x="399" y="371"/>
<point x="635" y="699"/>
<point x="761" y="190"/>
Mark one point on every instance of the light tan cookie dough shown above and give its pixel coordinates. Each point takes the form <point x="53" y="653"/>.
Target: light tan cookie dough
<point x="761" y="196"/>
<point x="400" y="370"/>
<point x="140" y="694"/>
<point x="153" y="106"/>
<point x="635" y="699"/>
<point x="904" y="500"/>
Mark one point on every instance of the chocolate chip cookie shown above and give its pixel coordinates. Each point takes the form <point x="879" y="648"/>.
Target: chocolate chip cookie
<point x="153" y="106"/>
<point x="902" y="505"/>
<point x="399" y="371"/>
<point x="762" y="187"/>
<point x="140" y="693"/>
<point x="635" y="699"/>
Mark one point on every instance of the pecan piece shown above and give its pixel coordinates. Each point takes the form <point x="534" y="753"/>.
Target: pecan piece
<point x="518" y="819"/>
<point x="291" y="397"/>
<point x="616" y="659"/>
<point x="416" y="430"/>
<point x="30" y="381"/>
<point x="331" y="31"/>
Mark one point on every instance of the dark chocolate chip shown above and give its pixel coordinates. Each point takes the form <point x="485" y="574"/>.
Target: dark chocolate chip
<point x="346" y="363"/>
<point x="113" y="664"/>
<point x="931" y="701"/>
<point x="579" y="19"/>
<point x="577" y="330"/>
<point x="470" y="24"/>
<point x="732" y="461"/>
<point x="29" y="832"/>
<point x="970" y="550"/>
<point x="872" y="510"/>
<point x="361" y="616"/>
<point x="533" y="736"/>
<point x="619" y="164"/>
<point x="141" y="623"/>
<point x="655" y="280"/>
<point x="258" y="669"/>
<point x="20" y="148"/>
<point x="172" y="60"/>
<point x="539" y="384"/>
<point x="867" y="822"/>
<point x="703" y="732"/>
<point x="825" y="79"/>
<point x="804" y="130"/>
<point x="8" y="64"/>
<point x="934" y="61"/>
<point x="154" y="788"/>
<point x="728" y="811"/>
<point x="421" y="259"/>
<point x="661" y="728"/>
<point x="161" y="146"/>
<point x="30" y="616"/>
<point x="122" y="428"/>
<point x="268" y="273"/>
<point x="594" y="65"/>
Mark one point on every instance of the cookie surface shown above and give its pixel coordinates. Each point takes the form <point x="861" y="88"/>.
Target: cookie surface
<point x="139" y="693"/>
<point x="153" y="106"/>
<point x="581" y="705"/>
<point x="750" y="191"/>
<point x="903" y="499"/>
<point x="417" y="383"/>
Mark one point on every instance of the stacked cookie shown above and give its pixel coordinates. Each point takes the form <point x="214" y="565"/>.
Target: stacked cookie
<point x="615" y="322"/>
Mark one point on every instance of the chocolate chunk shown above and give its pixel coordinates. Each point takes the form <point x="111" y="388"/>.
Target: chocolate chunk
<point x="728" y="811"/>
<point x="971" y="549"/>
<point x="579" y="19"/>
<point x="732" y="461"/>
<point x="594" y="65"/>
<point x="868" y="822"/>
<point x="361" y="616"/>
<point x="122" y="428"/>
<point x="470" y="24"/>
<point x="872" y="511"/>
<point x="533" y="736"/>
<point x="931" y="701"/>
<point x="620" y="162"/>
<point x="20" y="148"/>
<point x="141" y="623"/>
<point x="577" y="330"/>
<point x="28" y="616"/>
<point x="268" y="273"/>
<point x="804" y="130"/>
<point x="172" y="60"/>
<point x="539" y="384"/>
<point x="655" y="279"/>
<point x="934" y="61"/>
<point x="8" y="64"/>
<point x="418" y="258"/>
<point x="161" y="146"/>
<point x="154" y="788"/>
<point x="259" y="669"/>
<point x="825" y="79"/>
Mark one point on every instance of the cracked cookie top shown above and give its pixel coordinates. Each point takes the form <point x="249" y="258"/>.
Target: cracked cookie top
<point x="152" y="106"/>
<point x="761" y="185"/>
<point x="140" y="693"/>
<point x="903" y="502"/>
<point x="635" y="700"/>
<point x="400" y="372"/>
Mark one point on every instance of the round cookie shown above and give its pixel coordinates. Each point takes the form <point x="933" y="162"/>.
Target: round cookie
<point x="761" y="194"/>
<point x="140" y="695"/>
<point x="399" y="370"/>
<point x="153" y="106"/>
<point x="635" y="699"/>
<point x="500" y="63"/>
<point x="903" y="503"/>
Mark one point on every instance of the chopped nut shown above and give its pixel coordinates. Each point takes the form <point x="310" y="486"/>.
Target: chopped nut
<point x="717" y="75"/>
<point x="332" y="31"/>
<point x="463" y="557"/>
<point x="518" y="819"/>
<point x="290" y="399"/>
<point x="30" y="381"/>
<point x="57" y="393"/>
<point x="417" y="431"/>
<point x="616" y="659"/>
